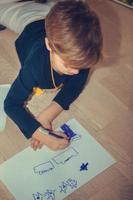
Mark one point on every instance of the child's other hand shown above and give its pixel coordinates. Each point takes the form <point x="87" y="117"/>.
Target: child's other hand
<point x="36" y="144"/>
<point x="50" y="141"/>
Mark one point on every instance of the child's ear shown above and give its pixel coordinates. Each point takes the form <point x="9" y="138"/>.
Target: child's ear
<point x="47" y="44"/>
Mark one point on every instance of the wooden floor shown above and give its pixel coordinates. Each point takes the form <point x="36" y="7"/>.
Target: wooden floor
<point x="105" y="108"/>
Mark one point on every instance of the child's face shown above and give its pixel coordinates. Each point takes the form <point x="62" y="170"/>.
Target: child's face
<point x="58" y="64"/>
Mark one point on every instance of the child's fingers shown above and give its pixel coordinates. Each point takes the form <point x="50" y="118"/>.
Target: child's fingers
<point x="40" y="145"/>
<point x="62" y="145"/>
<point x="35" y="144"/>
<point x="32" y="142"/>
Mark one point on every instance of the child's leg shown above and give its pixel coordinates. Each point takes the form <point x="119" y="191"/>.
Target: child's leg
<point x="16" y="16"/>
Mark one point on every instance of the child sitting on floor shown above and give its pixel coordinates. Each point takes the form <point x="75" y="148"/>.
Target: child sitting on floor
<point x="55" y="52"/>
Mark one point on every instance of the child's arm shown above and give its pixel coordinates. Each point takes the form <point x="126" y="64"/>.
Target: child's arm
<point x="62" y="101"/>
<point x="39" y="139"/>
<point x="45" y="118"/>
<point x="15" y="108"/>
<point x="49" y="113"/>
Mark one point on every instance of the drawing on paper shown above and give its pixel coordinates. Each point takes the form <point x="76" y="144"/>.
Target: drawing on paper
<point x="43" y="168"/>
<point x="63" y="187"/>
<point x="72" y="183"/>
<point x="84" y="166"/>
<point x="55" y="175"/>
<point x="70" y="133"/>
<point x="65" y="156"/>
<point x="38" y="196"/>
<point x="61" y="158"/>
<point x="50" y="194"/>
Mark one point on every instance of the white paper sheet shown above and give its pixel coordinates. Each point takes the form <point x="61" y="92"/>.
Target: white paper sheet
<point x="3" y="92"/>
<point x="53" y="175"/>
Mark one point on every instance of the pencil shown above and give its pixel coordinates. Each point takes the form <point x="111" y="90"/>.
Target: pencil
<point x="50" y="132"/>
<point x="55" y="135"/>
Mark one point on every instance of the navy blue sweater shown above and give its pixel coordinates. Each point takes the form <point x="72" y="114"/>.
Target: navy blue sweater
<point x="35" y="72"/>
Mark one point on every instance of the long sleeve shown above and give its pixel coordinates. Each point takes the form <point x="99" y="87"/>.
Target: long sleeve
<point x="14" y="102"/>
<point x="26" y="40"/>
<point x="35" y="72"/>
<point x="72" y="89"/>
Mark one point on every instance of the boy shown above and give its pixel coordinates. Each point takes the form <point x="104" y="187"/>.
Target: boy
<point x="54" y="53"/>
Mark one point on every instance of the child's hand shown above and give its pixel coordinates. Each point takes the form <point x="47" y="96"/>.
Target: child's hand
<point x="57" y="143"/>
<point x="35" y="144"/>
<point x="50" y="141"/>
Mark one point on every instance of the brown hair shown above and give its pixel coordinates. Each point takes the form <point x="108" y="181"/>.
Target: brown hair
<point x="74" y="33"/>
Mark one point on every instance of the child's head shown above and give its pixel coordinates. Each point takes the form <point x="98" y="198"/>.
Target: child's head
<point x="74" y="35"/>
